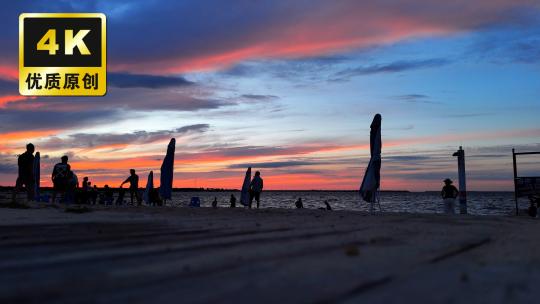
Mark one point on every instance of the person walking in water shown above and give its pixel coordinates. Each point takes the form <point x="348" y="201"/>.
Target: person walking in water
<point x="233" y="201"/>
<point x="449" y="193"/>
<point x="60" y="177"/>
<point x="256" y="188"/>
<point x="133" y="180"/>
<point x="26" y="173"/>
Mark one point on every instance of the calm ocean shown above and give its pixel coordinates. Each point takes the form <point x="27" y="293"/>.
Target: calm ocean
<point x="479" y="203"/>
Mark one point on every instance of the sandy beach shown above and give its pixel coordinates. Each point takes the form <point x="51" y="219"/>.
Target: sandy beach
<point x="204" y="255"/>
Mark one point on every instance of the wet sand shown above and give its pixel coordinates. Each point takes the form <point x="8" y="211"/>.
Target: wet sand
<point x="202" y="255"/>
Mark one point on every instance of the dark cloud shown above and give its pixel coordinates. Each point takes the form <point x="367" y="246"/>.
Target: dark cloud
<point x="124" y="80"/>
<point x="406" y="158"/>
<point x="249" y="151"/>
<point x="88" y="140"/>
<point x="9" y="87"/>
<point x="526" y="51"/>
<point x="126" y="99"/>
<point x="8" y="164"/>
<point x="480" y="156"/>
<point x="281" y="164"/>
<point x="259" y="97"/>
<point x="310" y="69"/>
<point x="393" y="67"/>
<point x="412" y="97"/>
<point x="516" y="45"/>
<point x="502" y="150"/>
<point x="466" y="115"/>
<point x="415" y="98"/>
<point x="176" y="34"/>
<point x="19" y="120"/>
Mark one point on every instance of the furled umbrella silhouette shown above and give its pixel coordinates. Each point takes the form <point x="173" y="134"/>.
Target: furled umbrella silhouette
<point x="149" y="187"/>
<point x="244" y="196"/>
<point x="369" y="190"/>
<point x="167" y="172"/>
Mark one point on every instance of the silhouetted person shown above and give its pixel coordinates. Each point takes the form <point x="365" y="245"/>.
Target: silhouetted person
<point x="449" y="193"/>
<point x="133" y="180"/>
<point x="120" y="198"/>
<point x="85" y="194"/>
<point x="71" y="187"/>
<point x="94" y="194"/>
<point x="233" y="201"/>
<point x="256" y="188"/>
<point x="155" y="198"/>
<point x="25" y="163"/>
<point x="108" y="195"/>
<point x="214" y="203"/>
<point x="60" y="177"/>
<point x="299" y="204"/>
<point x="85" y="183"/>
<point x="327" y="206"/>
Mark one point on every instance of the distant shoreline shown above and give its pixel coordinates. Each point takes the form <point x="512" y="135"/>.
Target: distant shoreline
<point x="9" y="188"/>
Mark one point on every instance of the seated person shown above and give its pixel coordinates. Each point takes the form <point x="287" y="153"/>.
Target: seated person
<point x="120" y="198"/>
<point x="107" y="196"/>
<point x="299" y="204"/>
<point x="154" y="197"/>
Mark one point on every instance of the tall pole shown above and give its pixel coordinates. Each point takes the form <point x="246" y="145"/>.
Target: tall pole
<point x="515" y="180"/>
<point x="462" y="182"/>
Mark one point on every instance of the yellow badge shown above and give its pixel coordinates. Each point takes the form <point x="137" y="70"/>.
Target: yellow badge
<point x="62" y="54"/>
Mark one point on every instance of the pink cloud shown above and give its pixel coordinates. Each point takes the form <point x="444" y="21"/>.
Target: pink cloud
<point x="9" y="72"/>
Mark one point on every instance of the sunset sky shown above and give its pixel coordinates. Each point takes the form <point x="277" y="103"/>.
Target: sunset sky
<point x="290" y="87"/>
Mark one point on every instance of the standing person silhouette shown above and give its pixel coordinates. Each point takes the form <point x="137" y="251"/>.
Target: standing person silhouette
<point x="85" y="194"/>
<point x="60" y="177"/>
<point x="449" y="193"/>
<point x="133" y="180"/>
<point x="256" y="188"/>
<point x="26" y="173"/>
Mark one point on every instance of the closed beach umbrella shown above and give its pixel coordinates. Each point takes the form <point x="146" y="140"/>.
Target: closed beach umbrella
<point x="372" y="177"/>
<point x="36" y="176"/>
<point x="244" y="197"/>
<point x="167" y="172"/>
<point x="149" y="187"/>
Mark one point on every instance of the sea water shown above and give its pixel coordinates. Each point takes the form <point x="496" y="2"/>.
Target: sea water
<point x="479" y="203"/>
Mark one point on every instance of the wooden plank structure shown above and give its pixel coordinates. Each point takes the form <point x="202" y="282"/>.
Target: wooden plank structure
<point x="201" y="255"/>
<point x="524" y="185"/>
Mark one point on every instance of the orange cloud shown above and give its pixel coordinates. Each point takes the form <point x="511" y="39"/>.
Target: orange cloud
<point x="141" y="163"/>
<point x="26" y="135"/>
<point x="14" y="101"/>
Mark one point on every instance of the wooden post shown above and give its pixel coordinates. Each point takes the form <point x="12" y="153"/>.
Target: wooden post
<point x="515" y="180"/>
<point x="462" y="182"/>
